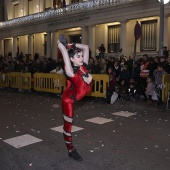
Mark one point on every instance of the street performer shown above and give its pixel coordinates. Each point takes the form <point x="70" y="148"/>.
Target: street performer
<point x="75" y="58"/>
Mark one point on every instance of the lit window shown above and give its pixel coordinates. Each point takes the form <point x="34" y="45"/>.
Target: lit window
<point x="149" y="35"/>
<point x="113" y="38"/>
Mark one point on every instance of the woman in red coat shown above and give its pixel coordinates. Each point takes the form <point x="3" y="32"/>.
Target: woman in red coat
<point x="76" y="57"/>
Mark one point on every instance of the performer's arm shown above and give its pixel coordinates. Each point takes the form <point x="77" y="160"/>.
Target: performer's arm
<point x="67" y="62"/>
<point x="85" y="49"/>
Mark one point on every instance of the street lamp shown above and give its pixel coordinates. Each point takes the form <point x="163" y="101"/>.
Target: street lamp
<point x="161" y="34"/>
<point x="164" y="1"/>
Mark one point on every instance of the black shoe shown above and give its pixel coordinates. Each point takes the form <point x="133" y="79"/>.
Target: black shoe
<point x="63" y="40"/>
<point x="75" y="155"/>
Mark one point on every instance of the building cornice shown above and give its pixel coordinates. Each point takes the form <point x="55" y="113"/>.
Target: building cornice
<point x="77" y="15"/>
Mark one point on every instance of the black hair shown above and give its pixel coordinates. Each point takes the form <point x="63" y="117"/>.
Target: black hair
<point x="72" y="49"/>
<point x="160" y="65"/>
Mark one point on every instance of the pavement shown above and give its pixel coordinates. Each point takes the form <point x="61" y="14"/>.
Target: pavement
<point x="123" y="136"/>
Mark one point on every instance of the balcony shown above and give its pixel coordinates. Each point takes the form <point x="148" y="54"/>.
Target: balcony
<point x="49" y="14"/>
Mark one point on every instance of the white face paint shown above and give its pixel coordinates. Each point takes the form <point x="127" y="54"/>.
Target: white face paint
<point x="78" y="59"/>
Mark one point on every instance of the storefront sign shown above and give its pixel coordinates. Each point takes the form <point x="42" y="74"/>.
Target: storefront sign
<point x="69" y="21"/>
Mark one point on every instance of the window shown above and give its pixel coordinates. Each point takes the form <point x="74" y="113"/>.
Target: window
<point x="149" y="36"/>
<point x="113" y="38"/>
<point x="75" y="38"/>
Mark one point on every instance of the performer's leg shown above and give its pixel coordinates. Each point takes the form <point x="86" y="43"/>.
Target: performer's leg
<point x="68" y="119"/>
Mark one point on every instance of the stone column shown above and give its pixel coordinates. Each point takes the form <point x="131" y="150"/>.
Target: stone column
<point x="30" y="45"/>
<point x="2" y="47"/>
<point x="14" y="47"/>
<point x="165" y="31"/>
<point x="123" y="35"/>
<point x="25" y="7"/>
<point x="84" y="35"/>
<point x="54" y="45"/>
<point x="41" y="5"/>
<point x="49" y="44"/>
<point x="91" y="40"/>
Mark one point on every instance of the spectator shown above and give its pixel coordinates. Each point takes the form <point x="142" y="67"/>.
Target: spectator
<point x="167" y="66"/>
<point x="57" y="70"/>
<point x="51" y="65"/>
<point x="96" y="69"/>
<point x="122" y="91"/>
<point x="163" y="61"/>
<point x="125" y="75"/>
<point x="146" y="69"/>
<point x="112" y="82"/>
<point x="91" y="64"/>
<point x="117" y="71"/>
<point x="102" y="51"/>
<point x="158" y="74"/>
<point x="133" y="90"/>
<point x="149" y="89"/>
<point x="165" y="52"/>
<point x="156" y="62"/>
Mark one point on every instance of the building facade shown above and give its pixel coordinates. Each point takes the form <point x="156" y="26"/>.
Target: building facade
<point x="33" y="26"/>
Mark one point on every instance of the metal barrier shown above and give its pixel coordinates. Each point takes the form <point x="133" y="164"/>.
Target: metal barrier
<point x="47" y="82"/>
<point x="56" y="83"/>
<point x="20" y="80"/>
<point x="99" y="85"/>
<point x="166" y="90"/>
<point x="4" y="79"/>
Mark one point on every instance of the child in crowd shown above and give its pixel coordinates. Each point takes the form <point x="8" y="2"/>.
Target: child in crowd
<point x="149" y="89"/>
<point x="122" y="91"/>
<point x="112" y="82"/>
<point x="133" y="90"/>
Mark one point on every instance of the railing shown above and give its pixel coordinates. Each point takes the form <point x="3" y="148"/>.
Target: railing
<point x="60" y="11"/>
<point x="46" y="82"/>
<point x="50" y="83"/>
<point x="166" y="90"/>
<point x="55" y="83"/>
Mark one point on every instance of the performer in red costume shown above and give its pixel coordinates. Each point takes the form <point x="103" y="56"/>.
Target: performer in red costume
<point x="76" y="58"/>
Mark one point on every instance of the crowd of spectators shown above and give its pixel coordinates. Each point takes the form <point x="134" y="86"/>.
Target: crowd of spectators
<point x="130" y="80"/>
<point x="23" y="63"/>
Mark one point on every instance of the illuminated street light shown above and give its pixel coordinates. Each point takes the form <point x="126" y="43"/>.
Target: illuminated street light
<point x="164" y="1"/>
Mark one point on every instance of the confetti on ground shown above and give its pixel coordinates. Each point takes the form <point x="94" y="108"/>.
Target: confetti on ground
<point x="118" y="152"/>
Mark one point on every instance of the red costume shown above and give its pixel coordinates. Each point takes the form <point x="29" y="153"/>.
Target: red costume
<point x="76" y="89"/>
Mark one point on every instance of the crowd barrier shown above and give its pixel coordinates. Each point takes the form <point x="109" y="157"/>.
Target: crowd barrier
<point x="20" y="80"/>
<point x="46" y="82"/>
<point x="99" y="85"/>
<point x="4" y="79"/>
<point x="56" y="83"/>
<point x="166" y="90"/>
